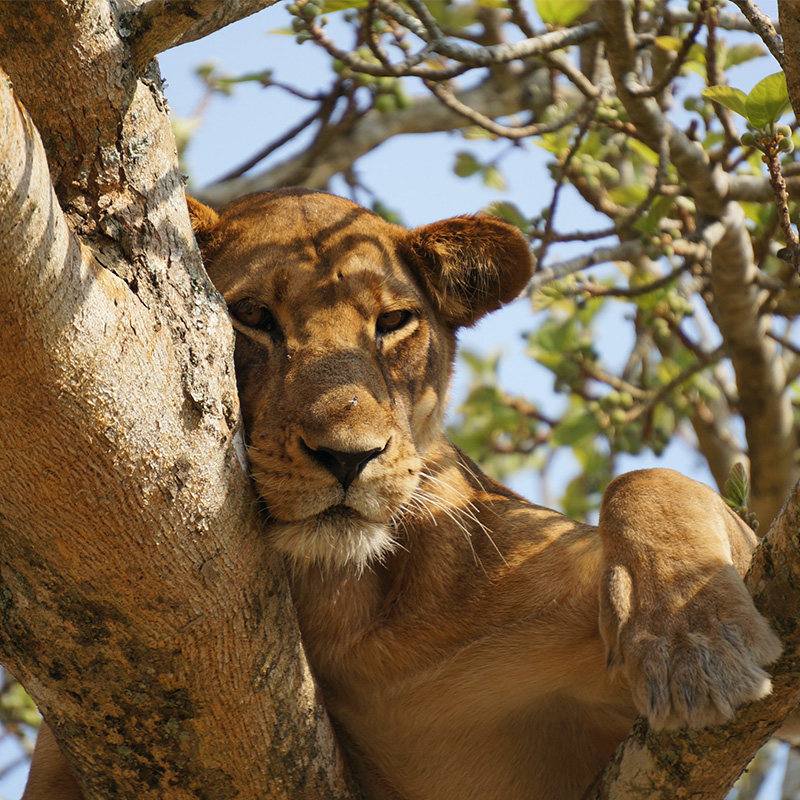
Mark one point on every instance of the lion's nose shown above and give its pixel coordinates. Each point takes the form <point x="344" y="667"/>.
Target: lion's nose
<point x="345" y="466"/>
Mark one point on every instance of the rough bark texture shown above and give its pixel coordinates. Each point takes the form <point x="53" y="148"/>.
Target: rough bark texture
<point x="789" y="15"/>
<point x="157" y="25"/>
<point x="140" y="605"/>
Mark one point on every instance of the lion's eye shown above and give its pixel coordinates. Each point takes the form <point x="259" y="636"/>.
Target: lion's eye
<point x="393" y="320"/>
<point x="250" y="313"/>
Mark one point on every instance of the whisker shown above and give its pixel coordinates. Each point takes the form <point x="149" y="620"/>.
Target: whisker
<point x="468" y="510"/>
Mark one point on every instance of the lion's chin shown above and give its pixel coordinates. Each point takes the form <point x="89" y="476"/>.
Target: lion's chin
<point x="338" y="538"/>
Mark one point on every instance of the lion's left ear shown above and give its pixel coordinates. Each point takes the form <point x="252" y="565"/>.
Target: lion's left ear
<point x="204" y="223"/>
<point x="469" y="265"/>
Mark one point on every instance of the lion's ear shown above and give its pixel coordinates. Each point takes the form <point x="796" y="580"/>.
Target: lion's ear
<point x="204" y="223"/>
<point x="469" y="265"/>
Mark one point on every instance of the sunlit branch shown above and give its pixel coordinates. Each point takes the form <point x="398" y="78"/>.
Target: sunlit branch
<point x="507" y="131"/>
<point x="157" y="25"/>
<point x="466" y="56"/>
<point x="763" y="26"/>
<point x="602" y="255"/>
<point x="597" y="290"/>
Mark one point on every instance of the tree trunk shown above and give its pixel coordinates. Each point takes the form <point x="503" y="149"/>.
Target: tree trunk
<point x="141" y="607"/>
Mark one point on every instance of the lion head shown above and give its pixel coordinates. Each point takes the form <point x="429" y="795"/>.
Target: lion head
<point x="345" y="336"/>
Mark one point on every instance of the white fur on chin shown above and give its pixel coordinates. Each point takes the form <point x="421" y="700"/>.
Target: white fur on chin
<point x="333" y="541"/>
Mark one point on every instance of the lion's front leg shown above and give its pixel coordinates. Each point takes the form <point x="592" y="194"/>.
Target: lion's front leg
<point x="675" y="616"/>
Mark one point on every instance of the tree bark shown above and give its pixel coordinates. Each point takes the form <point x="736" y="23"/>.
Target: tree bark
<point x="141" y="606"/>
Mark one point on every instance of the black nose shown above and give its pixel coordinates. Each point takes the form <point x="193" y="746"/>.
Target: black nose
<point x="345" y="466"/>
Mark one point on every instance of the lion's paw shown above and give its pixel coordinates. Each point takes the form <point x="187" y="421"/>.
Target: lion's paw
<point x="692" y="656"/>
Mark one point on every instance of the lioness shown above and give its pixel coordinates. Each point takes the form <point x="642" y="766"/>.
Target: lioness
<point x="468" y="643"/>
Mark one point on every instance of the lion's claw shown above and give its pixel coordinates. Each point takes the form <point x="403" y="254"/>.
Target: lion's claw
<point x="694" y="658"/>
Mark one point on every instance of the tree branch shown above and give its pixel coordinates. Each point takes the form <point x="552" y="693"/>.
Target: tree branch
<point x="763" y="26"/>
<point x="789" y="14"/>
<point x="514" y="132"/>
<point x="621" y="252"/>
<point x="492" y="98"/>
<point x="756" y="189"/>
<point x="764" y="404"/>
<point x="158" y="25"/>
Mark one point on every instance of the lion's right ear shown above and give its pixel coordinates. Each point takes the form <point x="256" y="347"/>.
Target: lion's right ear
<point x="469" y="266"/>
<point x="204" y="222"/>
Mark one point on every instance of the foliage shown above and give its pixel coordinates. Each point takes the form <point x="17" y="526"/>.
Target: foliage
<point x="737" y="493"/>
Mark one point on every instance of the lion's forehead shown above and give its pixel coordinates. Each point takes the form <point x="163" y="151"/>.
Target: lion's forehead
<point x="321" y="284"/>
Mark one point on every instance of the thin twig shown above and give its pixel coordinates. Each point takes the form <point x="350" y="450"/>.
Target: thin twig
<point x="444" y="95"/>
<point x="593" y="371"/>
<point x="677" y="63"/>
<point x="655" y="189"/>
<point x="577" y="236"/>
<point x="563" y="169"/>
<point x="771" y="158"/>
<point x="626" y="251"/>
<point x="704" y="362"/>
<point x="466" y="56"/>
<point x="784" y="342"/>
<point x="629" y="291"/>
<point x="714" y="76"/>
<point x="728" y="22"/>
<point x="370" y="37"/>
<point x="273" y="146"/>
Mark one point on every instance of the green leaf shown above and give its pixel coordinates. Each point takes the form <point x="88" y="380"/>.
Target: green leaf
<point x="477" y="132"/>
<point x="510" y="213"/>
<point x="389" y="214"/>
<point x="668" y="43"/>
<point x="329" y="6"/>
<point x="767" y="101"/>
<point x="741" y="54"/>
<point x="643" y="151"/>
<point x="659" y="208"/>
<point x="572" y="430"/>
<point x="493" y="178"/>
<point x="628" y="196"/>
<point x="737" y="487"/>
<point x="561" y="12"/>
<point x="734" y="99"/>
<point x="466" y="165"/>
<point x="454" y="15"/>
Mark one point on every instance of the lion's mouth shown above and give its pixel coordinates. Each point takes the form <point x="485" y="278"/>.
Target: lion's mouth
<point x="339" y="514"/>
<point x="338" y="536"/>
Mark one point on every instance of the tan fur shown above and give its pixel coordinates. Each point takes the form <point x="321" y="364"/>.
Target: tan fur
<point x="468" y="644"/>
<point x="50" y="777"/>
